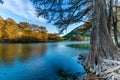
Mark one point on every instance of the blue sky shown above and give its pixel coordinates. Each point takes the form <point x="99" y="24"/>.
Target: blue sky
<point x="23" y="10"/>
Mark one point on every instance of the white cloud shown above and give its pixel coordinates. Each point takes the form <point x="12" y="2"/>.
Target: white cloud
<point x="22" y="8"/>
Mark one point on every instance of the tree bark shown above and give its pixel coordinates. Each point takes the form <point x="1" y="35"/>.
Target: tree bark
<point x="116" y="34"/>
<point x="90" y="60"/>
<point x="101" y="44"/>
<point x="110" y="17"/>
<point x="115" y="26"/>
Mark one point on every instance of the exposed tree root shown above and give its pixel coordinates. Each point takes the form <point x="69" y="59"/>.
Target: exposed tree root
<point x="108" y="69"/>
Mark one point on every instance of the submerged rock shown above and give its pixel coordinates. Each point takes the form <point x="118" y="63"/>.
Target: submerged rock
<point x="82" y="56"/>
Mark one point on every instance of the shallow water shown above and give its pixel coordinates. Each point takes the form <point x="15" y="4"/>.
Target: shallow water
<point x="40" y="61"/>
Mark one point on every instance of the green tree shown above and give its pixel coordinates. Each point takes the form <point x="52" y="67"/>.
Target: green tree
<point x="74" y="38"/>
<point x="62" y="13"/>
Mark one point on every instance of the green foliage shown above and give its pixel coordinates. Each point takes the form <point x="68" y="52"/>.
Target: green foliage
<point x="1" y="1"/>
<point x="81" y="32"/>
<point x="62" y="13"/>
<point x="74" y="37"/>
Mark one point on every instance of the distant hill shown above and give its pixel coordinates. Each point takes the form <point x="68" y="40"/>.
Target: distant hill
<point x="83" y="30"/>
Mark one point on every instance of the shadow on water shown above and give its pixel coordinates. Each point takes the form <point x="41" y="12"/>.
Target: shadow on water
<point x="78" y="46"/>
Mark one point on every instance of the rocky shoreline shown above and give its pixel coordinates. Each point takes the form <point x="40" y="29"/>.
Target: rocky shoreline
<point x="90" y="76"/>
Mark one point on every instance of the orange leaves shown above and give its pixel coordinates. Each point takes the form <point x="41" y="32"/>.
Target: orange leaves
<point x="24" y="25"/>
<point x="23" y="32"/>
<point x="11" y="32"/>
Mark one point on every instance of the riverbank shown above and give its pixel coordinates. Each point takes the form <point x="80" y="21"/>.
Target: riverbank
<point x="38" y="41"/>
<point x="90" y="76"/>
<point x="31" y="41"/>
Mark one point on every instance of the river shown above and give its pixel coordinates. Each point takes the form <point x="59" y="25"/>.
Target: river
<point x="41" y="61"/>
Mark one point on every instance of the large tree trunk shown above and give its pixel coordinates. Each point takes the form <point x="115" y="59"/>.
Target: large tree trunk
<point x="90" y="60"/>
<point x="106" y="47"/>
<point x="116" y="33"/>
<point x="110" y="16"/>
<point x="115" y="26"/>
<point x="101" y="44"/>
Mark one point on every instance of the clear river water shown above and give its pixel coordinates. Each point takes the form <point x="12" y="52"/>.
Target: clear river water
<point x="41" y="61"/>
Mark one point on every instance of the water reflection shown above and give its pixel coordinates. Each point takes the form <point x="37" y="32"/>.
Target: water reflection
<point x="40" y="61"/>
<point x="10" y="52"/>
<point x="78" y="46"/>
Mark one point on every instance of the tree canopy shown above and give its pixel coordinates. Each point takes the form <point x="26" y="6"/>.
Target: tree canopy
<point x="62" y="13"/>
<point x="1" y="1"/>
